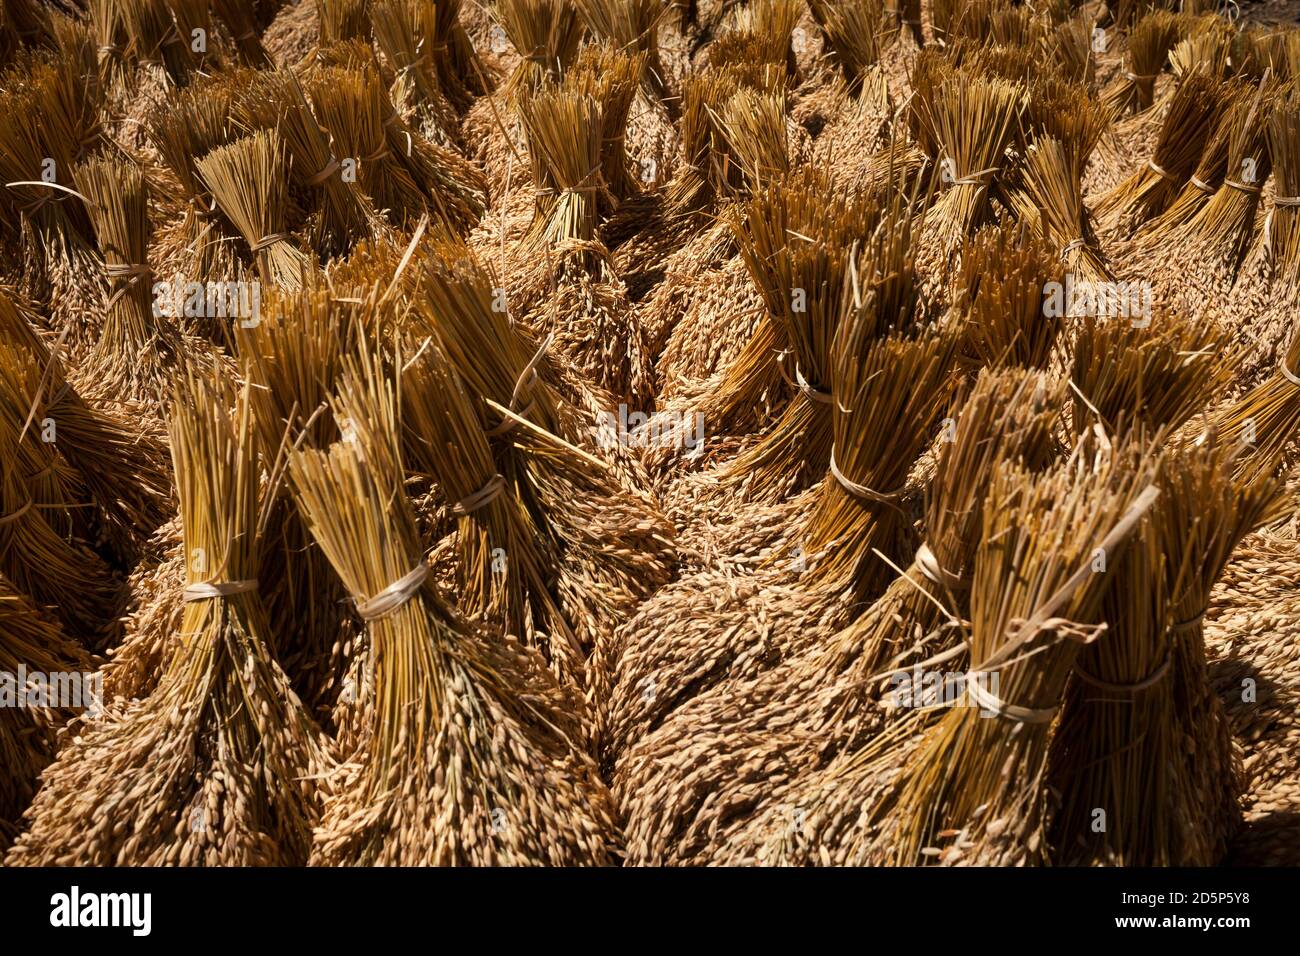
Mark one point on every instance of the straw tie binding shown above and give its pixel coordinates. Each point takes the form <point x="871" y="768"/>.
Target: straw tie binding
<point x="1289" y="375"/>
<point x="393" y="597"/>
<point x="1136" y="687"/>
<point x="1286" y="200"/>
<point x="208" y="591"/>
<point x="1190" y="624"/>
<point x="929" y="565"/>
<point x="481" y="498"/>
<point x="987" y="700"/>
<point x="330" y="169"/>
<point x="979" y="178"/>
<point x="529" y="370"/>
<point x="862" y="491"/>
<point x="799" y="382"/>
<point x="1202" y="185"/>
<point x="1072" y="245"/>
<point x="1244" y="187"/>
<point x="15" y="515"/>
<point x="270" y="240"/>
<point x="1161" y="171"/>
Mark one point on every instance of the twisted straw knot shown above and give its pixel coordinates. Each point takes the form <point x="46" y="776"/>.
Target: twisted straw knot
<point x="1161" y="171"/>
<point x="1190" y="624"/>
<point x="1286" y="200"/>
<point x="211" y="591"/>
<point x="110" y="48"/>
<point x="800" y="383"/>
<point x="1202" y="185"/>
<point x="929" y="565"/>
<point x="1289" y="375"/>
<point x="592" y="182"/>
<point x="981" y="177"/>
<point x="1072" y="245"/>
<point x="1140" y="77"/>
<point x="131" y="272"/>
<point x="481" y="498"/>
<point x="268" y="240"/>
<point x="890" y="499"/>
<point x="1130" y="689"/>
<point x="529" y="375"/>
<point x="380" y="152"/>
<point x="330" y="169"/>
<point x="392" y="598"/>
<point x="15" y="515"/>
<point x="985" y="699"/>
<point x="1244" y="187"/>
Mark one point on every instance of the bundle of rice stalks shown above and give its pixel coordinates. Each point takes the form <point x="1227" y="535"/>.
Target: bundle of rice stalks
<point x="1070" y="46"/>
<point x="610" y="77"/>
<point x="1066" y="124"/>
<point x="215" y="767"/>
<point x="469" y="753"/>
<point x="633" y="27"/>
<point x="241" y="21"/>
<point x="249" y="181"/>
<point x="136" y="350"/>
<point x="183" y="128"/>
<point x="1183" y="133"/>
<point x="545" y="34"/>
<point x="293" y="359"/>
<point x="1283" y="224"/>
<point x="1158" y="373"/>
<point x="160" y="36"/>
<point x="797" y="250"/>
<point x="972" y="119"/>
<point x="345" y="215"/>
<point x="1034" y="599"/>
<point x="854" y="31"/>
<point x="504" y="571"/>
<point x="122" y="466"/>
<point x="1149" y="43"/>
<point x="1000" y="294"/>
<point x="31" y="645"/>
<point x="460" y="74"/>
<point x="887" y="395"/>
<point x="1264" y="420"/>
<point x="404" y="31"/>
<point x="1207" y="46"/>
<point x="1162" y="773"/>
<point x="342" y="20"/>
<point x="1218" y="237"/>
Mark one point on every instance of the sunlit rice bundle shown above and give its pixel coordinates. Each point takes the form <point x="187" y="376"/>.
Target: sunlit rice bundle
<point x="545" y="33"/>
<point x="768" y="24"/>
<point x="155" y="31"/>
<point x="797" y="250"/>
<point x="505" y="570"/>
<point x="610" y="77"/>
<point x="249" y="181"/>
<point x="1283" y="235"/>
<point x="1149" y="43"/>
<point x="854" y="30"/>
<point x="1000" y="293"/>
<point x="887" y="395"/>
<point x="1265" y="420"/>
<point x="563" y="131"/>
<point x="973" y="120"/>
<point x="350" y="104"/>
<point x="469" y="753"/>
<point x="1183" y="133"/>
<point x="978" y="775"/>
<point x="404" y="30"/>
<point x="341" y="19"/>
<point x="136" y="349"/>
<point x="1206" y="46"/>
<point x="1219" y="235"/>
<point x="460" y="73"/>
<point x="217" y="765"/>
<point x="633" y="27"/>
<point x="123" y="466"/>
<point x="1156" y="372"/>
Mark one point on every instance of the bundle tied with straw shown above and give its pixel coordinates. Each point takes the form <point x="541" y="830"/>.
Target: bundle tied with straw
<point x="797" y="250"/>
<point x="469" y="756"/>
<point x="241" y="22"/>
<point x="610" y="76"/>
<point x="978" y="774"/>
<point x="633" y="27"/>
<point x="31" y="644"/>
<point x="504" y="572"/>
<point x="1149" y="43"/>
<point x="124" y="468"/>
<point x="1264" y="421"/>
<point x="545" y="34"/>
<point x="136" y="349"/>
<point x="1283" y="232"/>
<point x="593" y="324"/>
<point x="973" y="120"/>
<point x="1066" y="124"/>
<point x="249" y="181"/>
<point x="1159" y="372"/>
<point x="1149" y="190"/>
<point x="405" y="32"/>
<point x="854" y="30"/>
<point x="217" y="765"/>
<point x="1141" y="734"/>
<point x="341" y="20"/>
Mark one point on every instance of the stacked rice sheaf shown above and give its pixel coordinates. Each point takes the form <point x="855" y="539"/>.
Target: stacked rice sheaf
<point x="625" y="432"/>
